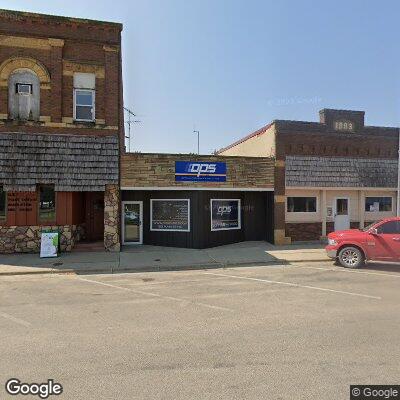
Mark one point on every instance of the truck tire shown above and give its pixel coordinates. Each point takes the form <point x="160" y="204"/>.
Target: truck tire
<point x="351" y="257"/>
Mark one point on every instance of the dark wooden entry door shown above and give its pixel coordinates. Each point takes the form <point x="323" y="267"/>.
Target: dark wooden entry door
<point x="94" y="216"/>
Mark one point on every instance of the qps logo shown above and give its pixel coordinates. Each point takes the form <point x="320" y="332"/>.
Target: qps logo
<point x="199" y="169"/>
<point x="224" y="210"/>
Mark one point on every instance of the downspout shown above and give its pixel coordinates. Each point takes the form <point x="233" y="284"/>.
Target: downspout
<point x="398" y="178"/>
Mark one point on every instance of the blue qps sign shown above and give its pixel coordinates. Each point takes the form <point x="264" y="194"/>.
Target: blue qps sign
<point x="199" y="171"/>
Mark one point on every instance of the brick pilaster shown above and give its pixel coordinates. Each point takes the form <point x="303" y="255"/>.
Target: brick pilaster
<point x="56" y="79"/>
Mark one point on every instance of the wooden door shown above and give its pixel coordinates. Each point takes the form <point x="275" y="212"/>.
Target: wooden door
<point x="94" y="216"/>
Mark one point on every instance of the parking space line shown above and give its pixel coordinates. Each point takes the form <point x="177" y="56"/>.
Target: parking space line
<point x="296" y="285"/>
<point x="346" y="270"/>
<point x="16" y="320"/>
<point x="156" y="295"/>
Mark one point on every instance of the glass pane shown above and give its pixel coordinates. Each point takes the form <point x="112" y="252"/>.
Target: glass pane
<point x="374" y="204"/>
<point x="2" y="203"/>
<point x="47" y="203"/>
<point x="84" y="112"/>
<point x="132" y="223"/>
<point x="342" y="207"/>
<point x="392" y="227"/>
<point x="84" y="98"/>
<point x="302" y="204"/>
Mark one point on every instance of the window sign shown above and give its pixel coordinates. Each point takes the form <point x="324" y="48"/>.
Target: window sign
<point x="225" y="214"/>
<point x="170" y="215"/>
<point x="199" y="171"/>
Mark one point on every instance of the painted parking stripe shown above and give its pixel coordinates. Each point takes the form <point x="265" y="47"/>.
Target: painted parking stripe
<point x="296" y="285"/>
<point x="346" y="270"/>
<point x="15" y="319"/>
<point x="156" y="295"/>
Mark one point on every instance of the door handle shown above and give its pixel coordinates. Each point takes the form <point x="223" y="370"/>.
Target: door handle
<point x="396" y="239"/>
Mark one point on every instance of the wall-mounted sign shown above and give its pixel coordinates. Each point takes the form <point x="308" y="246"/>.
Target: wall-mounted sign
<point x="200" y="171"/>
<point x="49" y="244"/>
<point x="329" y="211"/>
<point x="170" y="215"/>
<point x="21" y="201"/>
<point x="225" y="214"/>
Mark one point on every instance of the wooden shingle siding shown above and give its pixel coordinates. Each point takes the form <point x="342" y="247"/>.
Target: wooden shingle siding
<point x="72" y="163"/>
<point x="158" y="170"/>
<point x="340" y="172"/>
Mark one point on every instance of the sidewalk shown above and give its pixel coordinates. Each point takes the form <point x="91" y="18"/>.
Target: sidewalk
<point x="157" y="258"/>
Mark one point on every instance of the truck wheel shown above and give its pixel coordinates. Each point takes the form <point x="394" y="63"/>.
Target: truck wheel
<point x="351" y="257"/>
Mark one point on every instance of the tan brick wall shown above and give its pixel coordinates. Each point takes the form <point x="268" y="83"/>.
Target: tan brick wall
<point x="158" y="170"/>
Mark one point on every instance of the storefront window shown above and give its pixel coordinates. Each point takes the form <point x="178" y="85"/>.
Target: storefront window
<point x="225" y="214"/>
<point x="170" y="215"/>
<point x="301" y="204"/>
<point x="375" y="204"/>
<point x="47" y="203"/>
<point x="2" y="203"/>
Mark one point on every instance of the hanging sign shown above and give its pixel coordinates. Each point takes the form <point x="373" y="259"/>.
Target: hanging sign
<point x="49" y="244"/>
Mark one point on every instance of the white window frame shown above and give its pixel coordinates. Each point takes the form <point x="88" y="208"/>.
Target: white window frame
<point x="169" y="230"/>
<point x="304" y="212"/>
<point x="365" y="203"/>
<point x="93" y="91"/>
<point x="239" y="215"/>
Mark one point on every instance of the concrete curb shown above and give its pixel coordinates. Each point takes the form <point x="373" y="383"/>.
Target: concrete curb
<point x="158" y="268"/>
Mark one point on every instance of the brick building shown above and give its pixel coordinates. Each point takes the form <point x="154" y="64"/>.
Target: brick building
<point x="197" y="201"/>
<point x="61" y="127"/>
<point x="329" y="175"/>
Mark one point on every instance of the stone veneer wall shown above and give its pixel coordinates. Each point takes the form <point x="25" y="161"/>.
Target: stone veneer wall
<point x="26" y="239"/>
<point x="158" y="170"/>
<point x="111" y="218"/>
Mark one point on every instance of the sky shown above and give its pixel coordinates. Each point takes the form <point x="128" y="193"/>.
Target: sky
<point x="227" y="68"/>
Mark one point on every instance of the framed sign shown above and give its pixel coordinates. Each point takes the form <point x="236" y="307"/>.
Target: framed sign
<point x="199" y="171"/>
<point x="225" y="214"/>
<point x="49" y="244"/>
<point x="170" y="215"/>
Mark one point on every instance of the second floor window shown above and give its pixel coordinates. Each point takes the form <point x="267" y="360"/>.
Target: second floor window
<point x="84" y="105"/>
<point x="24" y="96"/>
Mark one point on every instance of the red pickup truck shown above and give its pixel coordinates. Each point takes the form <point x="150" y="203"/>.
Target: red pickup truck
<point x="379" y="241"/>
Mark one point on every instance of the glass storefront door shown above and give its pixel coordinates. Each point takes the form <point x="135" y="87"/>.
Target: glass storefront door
<point x="132" y="216"/>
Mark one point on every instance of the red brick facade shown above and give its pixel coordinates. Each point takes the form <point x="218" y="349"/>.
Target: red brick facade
<point x="55" y="56"/>
<point x="60" y="47"/>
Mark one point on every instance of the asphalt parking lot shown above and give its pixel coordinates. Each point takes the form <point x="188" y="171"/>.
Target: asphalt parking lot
<point x="303" y="331"/>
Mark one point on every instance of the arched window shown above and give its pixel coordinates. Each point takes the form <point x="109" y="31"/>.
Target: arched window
<point x="24" y="95"/>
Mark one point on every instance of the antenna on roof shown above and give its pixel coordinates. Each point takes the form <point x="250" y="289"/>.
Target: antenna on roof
<point x="129" y="122"/>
